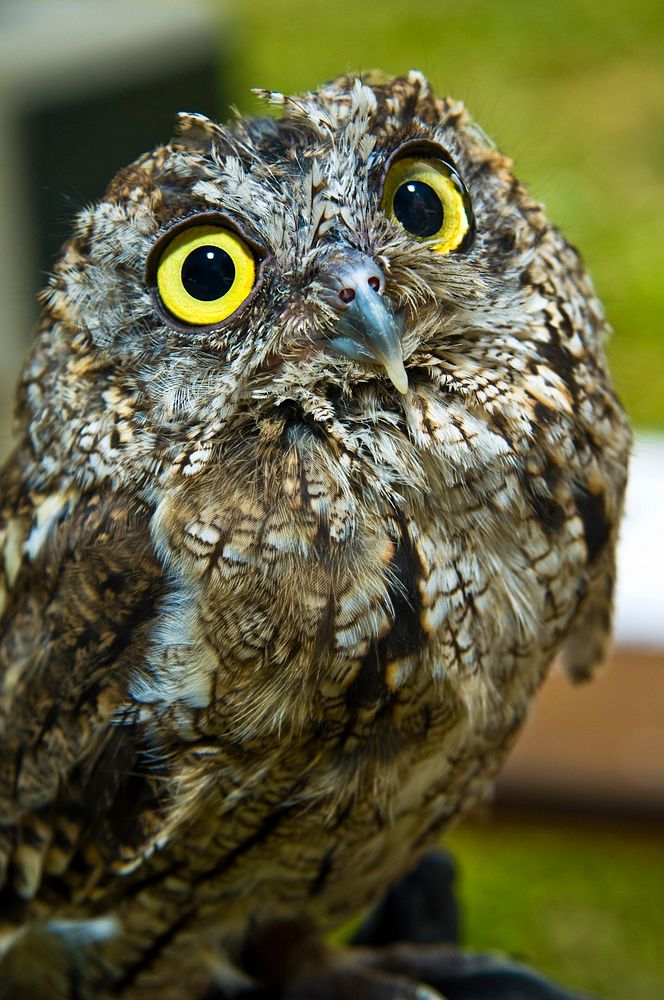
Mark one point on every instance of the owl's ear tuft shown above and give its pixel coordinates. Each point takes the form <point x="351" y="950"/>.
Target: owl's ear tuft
<point x="376" y="77"/>
<point x="192" y="129"/>
<point x="273" y="97"/>
<point x="132" y="183"/>
<point x="410" y="94"/>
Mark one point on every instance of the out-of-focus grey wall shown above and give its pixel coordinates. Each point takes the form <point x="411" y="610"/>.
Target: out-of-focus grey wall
<point x="85" y="87"/>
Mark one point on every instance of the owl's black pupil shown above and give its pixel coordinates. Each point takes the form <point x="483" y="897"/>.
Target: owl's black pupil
<point x="208" y="273"/>
<point x="418" y="208"/>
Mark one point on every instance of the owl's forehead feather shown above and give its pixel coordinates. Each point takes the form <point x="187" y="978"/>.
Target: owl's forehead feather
<point x="340" y="111"/>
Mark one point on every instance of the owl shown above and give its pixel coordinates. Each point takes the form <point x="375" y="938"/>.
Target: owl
<point x="319" y="466"/>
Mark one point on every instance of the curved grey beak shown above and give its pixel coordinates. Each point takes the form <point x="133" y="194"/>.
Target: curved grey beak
<point x="367" y="329"/>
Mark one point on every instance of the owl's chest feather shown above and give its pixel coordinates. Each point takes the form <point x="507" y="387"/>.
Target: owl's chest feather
<point x="310" y="605"/>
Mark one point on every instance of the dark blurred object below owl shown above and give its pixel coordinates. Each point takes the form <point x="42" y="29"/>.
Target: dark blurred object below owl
<point x="319" y="467"/>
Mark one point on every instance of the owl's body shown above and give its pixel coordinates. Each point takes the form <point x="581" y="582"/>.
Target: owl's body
<point x="270" y="620"/>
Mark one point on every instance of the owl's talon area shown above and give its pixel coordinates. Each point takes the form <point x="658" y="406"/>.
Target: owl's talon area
<point x="461" y="975"/>
<point x="359" y="983"/>
<point x="298" y="965"/>
<point x="418" y="972"/>
<point x="309" y="970"/>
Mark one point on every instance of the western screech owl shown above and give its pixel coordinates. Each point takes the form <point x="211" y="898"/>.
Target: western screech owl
<point x="319" y="467"/>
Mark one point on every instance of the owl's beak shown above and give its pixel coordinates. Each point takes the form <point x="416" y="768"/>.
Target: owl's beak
<point x="367" y="329"/>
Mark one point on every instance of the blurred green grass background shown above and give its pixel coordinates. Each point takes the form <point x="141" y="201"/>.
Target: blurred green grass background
<point x="581" y="900"/>
<point x="572" y="90"/>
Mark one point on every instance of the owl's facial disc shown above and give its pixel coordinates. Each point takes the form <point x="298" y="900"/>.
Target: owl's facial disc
<point x="367" y="329"/>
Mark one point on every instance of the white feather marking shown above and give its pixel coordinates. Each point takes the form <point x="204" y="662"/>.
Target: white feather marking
<point x="82" y="932"/>
<point x="170" y="676"/>
<point x="47" y="514"/>
<point x="14" y="538"/>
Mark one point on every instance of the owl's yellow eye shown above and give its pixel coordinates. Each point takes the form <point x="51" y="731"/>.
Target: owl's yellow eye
<point x="204" y="274"/>
<point x="426" y="196"/>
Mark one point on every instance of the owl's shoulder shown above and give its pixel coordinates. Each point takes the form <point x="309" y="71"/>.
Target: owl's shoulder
<point x="80" y="586"/>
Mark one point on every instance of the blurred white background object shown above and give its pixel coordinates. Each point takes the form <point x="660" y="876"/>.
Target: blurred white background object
<point x="639" y="609"/>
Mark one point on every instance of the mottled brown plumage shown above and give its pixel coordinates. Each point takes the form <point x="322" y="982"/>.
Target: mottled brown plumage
<point x="269" y="622"/>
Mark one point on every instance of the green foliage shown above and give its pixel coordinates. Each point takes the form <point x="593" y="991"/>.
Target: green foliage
<point x="573" y="91"/>
<point x="581" y="903"/>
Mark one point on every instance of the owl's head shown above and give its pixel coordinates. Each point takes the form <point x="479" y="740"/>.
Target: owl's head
<point x="366" y="248"/>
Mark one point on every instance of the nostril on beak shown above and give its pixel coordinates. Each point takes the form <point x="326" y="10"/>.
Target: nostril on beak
<point x="348" y="294"/>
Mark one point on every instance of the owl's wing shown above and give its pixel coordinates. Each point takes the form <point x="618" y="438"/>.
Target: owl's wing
<point x="79" y="585"/>
<point x="599" y="506"/>
<point x="586" y="647"/>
